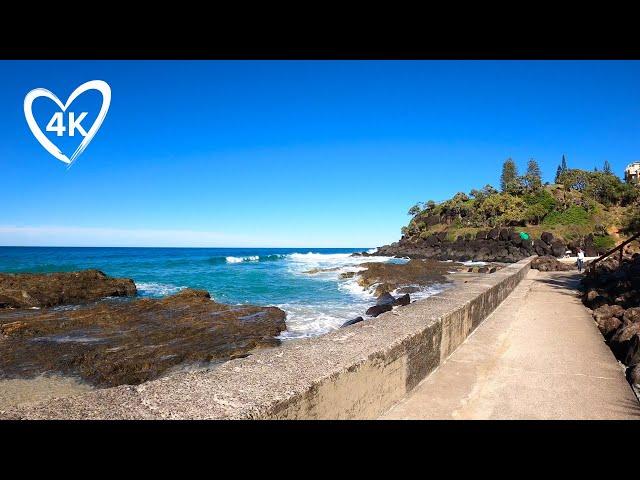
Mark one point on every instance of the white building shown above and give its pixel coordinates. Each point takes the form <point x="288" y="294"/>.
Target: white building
<point x="632" y="173"/>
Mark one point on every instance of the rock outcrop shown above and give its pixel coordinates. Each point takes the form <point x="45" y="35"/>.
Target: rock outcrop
<point x="495" y="245"/>
<point x="613" y="292"/>
<point x="548" y="263"/>
<point x="28" y="290"/>
<point x="387" y="277"/>
<point x="117" y="341"/>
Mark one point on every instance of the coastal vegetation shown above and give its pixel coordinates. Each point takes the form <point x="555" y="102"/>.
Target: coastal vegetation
<point x="579" y="203"/>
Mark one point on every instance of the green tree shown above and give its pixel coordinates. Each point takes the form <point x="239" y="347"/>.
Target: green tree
<point x="574" y="179"/>
<point x="533" y="177"/>
<point x="503" y="209"/>
<point x="415" y="210"/>
<point x="606" y="168"/>
<point x="509" y="175"/>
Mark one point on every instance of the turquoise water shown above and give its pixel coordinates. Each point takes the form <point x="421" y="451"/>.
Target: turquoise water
<point x="315" y="303"/>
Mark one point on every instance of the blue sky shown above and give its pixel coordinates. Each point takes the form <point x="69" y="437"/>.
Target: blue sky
<point x="295" y="153"/>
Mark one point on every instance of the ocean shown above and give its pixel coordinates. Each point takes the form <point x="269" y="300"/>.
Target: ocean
<point x="314" y="303"/>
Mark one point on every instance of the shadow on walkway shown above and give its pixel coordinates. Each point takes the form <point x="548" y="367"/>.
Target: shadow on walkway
<point x="566" y="283"/>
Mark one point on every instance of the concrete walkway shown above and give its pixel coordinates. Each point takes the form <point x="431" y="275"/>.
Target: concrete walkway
<point x="538" y="356"/>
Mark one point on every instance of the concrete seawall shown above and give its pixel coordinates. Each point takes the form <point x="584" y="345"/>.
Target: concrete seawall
<point x="354" y="373"/>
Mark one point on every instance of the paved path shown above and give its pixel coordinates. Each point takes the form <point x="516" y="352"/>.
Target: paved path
<point x="538" y="356"/>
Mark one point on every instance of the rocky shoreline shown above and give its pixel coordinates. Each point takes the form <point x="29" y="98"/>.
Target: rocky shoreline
<point x="113" y="341"/>
<point x="495" y="245"/>
<point x="40" y="290"/>
<point x="91" y="327"/>
<point x="393" y="283"/>
<point x="612" y="291"/>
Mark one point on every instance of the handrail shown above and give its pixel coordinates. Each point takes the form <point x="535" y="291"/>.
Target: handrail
<point x="592" y="266"/>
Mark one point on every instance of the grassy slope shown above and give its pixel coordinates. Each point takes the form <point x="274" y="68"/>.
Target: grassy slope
<point x="570" y="224"/>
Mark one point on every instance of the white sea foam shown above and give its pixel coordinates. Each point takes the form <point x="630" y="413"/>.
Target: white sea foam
<point x="311" y="320"/>
<point x="252" y="258"/>
<point x="472" y="263"/>
<point x="152" y="289"/>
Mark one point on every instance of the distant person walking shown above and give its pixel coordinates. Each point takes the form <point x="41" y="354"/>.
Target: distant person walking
<point x="580" y="259"/>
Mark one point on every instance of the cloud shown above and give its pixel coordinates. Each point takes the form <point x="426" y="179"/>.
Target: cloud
<point x="106" y="237"/>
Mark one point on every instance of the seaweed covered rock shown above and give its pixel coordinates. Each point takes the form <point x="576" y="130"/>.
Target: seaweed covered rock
<point x="116" y="342"/>
<point x="28" y="290"/>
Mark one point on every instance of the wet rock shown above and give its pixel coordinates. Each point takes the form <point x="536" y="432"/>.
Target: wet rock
<point x="27" y="290"/>
<point x="346" y="275"/>
<point x="409" y="289"/>
<point x="352" y="322"/>
<point x="549" y="264"/>
<point x="402" y="300"/>
<point x="116" y="342"/>
<point x="378" y="309"/>
<point x="385" y="299"/>
<point x="493" y="270"/>
<point x="313" y="271"/>
<point x="483" y="270"/>
<point x="387" y="277"/>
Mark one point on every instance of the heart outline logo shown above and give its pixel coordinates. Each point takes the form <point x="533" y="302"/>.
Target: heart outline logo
<point x="99" y="85"/>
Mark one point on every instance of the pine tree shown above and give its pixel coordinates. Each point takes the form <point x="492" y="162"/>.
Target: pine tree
<point x="509" y="174"/>
<point x="558" y="173"/>
<point x="562" y="168"/>
<point x="607" y="167"/>
<point x="533" y="177"/>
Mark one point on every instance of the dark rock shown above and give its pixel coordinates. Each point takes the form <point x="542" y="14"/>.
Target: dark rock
<point x="27" y="290"/>
<point x="608" y="325"/>
<point x="114" y="342"/>
<point x="352" y="322"/>
<point x="385" y="298"/>
<point x="388" y="277"/>
<point x="493" y="234"/>
<point x="483" y="270"/>
<point x="347" y="275"/>
<point x="633" y="375"/>
<point x="493" y="270"/>
<point x="432" y="220"/>
<point x="622" y="343"/>
<point x="608" y="311"/>
<point x="378" y="309"/>
<point x="402" y="300"/>
<point x="632" y="356"/>
<point x="549" y="264"/>
<point x="558" y="248"/>
<point x="541" y="248"/>
<point x="505" y="234"/>
<point x="547" y="237"/>
<point x="632" y="315"/>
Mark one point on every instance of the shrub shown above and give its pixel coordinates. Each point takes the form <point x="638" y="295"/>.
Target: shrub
<point x="574" y="215"/>
<point x="604" y="242"/>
